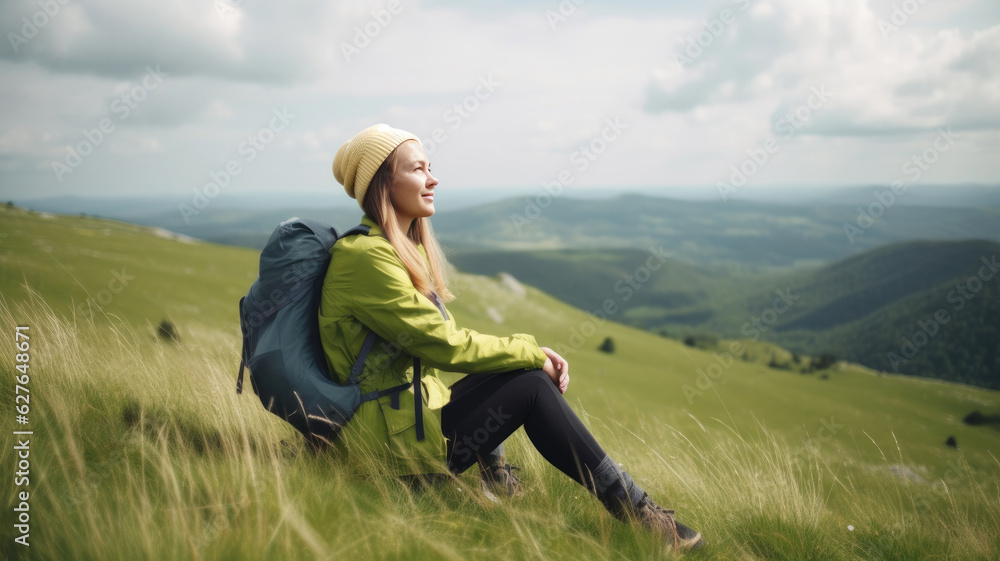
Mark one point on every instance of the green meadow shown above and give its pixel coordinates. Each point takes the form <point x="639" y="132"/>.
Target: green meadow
<point x="141" y="448"/>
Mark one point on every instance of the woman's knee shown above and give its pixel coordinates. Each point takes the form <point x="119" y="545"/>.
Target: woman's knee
<point x="534" y="378"/>
<point x="537" y="384"/>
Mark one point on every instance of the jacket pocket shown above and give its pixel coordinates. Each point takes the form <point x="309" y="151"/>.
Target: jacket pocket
<point x="423" y="456"/>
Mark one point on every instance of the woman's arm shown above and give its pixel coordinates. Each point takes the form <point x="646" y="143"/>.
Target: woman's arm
<point x="374" y="285"/>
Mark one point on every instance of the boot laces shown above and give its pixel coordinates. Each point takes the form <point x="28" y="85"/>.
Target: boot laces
<point x="503" y="477"/>
<point x="658" y="517"/>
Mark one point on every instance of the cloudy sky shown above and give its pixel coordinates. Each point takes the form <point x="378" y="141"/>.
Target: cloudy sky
<point x="504" y="95"/>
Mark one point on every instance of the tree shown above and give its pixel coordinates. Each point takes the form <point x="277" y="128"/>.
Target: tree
<point x="824" y="361"/>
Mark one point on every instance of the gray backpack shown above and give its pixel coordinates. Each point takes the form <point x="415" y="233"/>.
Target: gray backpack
<point x="281" y="343"/>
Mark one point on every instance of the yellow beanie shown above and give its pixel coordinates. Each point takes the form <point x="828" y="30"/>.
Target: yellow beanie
<point x="358" y="158"/>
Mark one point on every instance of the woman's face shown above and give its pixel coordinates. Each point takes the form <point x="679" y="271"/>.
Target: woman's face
<point x="412" y="191"/>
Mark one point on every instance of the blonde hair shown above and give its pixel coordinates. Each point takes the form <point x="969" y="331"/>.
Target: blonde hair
<point x="378" y="206"/>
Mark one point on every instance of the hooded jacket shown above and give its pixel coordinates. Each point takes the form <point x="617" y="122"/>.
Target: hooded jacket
<point x="367" y="287"/>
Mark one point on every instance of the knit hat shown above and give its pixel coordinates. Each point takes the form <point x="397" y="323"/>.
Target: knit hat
<point x="359" y="158"/>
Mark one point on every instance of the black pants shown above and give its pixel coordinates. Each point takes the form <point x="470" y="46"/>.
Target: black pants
<point x="487" y="408"/>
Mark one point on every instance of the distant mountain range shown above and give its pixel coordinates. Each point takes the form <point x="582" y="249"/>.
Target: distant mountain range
<point x="754" y="235"/>
<point x="844" y="277"/>
<point x="928" y="308"/>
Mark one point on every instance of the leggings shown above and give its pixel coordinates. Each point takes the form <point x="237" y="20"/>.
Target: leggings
<point x="487" y="408"/>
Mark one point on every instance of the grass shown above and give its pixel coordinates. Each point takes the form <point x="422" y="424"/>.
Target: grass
<point x="142" y="449"/>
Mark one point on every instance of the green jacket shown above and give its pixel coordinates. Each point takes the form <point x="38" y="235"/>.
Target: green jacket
<point x="367" y="287"/>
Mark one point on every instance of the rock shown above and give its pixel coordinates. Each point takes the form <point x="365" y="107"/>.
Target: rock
<point x="494" y="314"/>
<point x="510" y="283"/>
<point x="905" y="473"/>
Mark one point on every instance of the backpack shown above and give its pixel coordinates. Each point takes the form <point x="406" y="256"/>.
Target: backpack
<point x="281" y="342"/>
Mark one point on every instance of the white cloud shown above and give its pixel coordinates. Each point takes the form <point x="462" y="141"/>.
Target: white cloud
<point x="264" y="42"/>
<point x="555" y="90"/>
<point x="914" y="80"/>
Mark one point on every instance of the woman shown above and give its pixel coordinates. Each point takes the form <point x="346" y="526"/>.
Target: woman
<point x="392" y="281"/>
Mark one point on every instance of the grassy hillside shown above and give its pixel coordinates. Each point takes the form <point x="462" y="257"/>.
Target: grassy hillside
<point x="96" y="269"/>
<point x="143" y="450"/>
<point x="675" y="292"/>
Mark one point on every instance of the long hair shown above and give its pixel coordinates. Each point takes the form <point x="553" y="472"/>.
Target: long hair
<point x="378" y="206"/>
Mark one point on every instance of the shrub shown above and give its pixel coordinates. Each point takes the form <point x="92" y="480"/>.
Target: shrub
<point x="701" y="340"/>
<point x="824" y="361"/>
<point x="976" y="418"/>
<point x="167" y="332"/>
<point x="607" y="346"/>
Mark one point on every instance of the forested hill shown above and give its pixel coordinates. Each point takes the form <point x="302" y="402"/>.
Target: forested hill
<point x="863" y="308"/>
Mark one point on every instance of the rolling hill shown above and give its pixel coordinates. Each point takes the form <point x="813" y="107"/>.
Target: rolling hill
<point x="863" y="308"/>
<point x="142" y="449"/>
<point x="753" y="235"/>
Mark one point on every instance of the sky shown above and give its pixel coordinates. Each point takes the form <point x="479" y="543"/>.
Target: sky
<point x="230" y="98"/>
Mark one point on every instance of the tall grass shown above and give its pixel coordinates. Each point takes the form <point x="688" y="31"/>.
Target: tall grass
<point x="142" y="450"/>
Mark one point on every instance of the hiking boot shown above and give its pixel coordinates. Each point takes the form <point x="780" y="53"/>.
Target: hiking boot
<point x="500" y="480"/>
<point x="662" y="521"/>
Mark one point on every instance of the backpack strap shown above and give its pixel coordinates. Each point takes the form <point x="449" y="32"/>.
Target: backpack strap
<point x="418" y="409"/>
<point x="359" y="229"/>
<point x="379" y="393"/>
<point x="359" y="364"/>
<point x="239" y="379"/>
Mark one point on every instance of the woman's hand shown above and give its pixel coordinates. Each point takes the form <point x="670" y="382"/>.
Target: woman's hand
<point x="557" y="368"/>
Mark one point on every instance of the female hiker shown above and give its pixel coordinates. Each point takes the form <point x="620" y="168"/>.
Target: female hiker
<point x="392" y="281"/>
